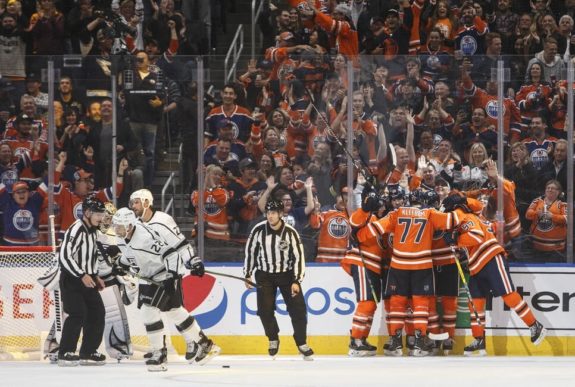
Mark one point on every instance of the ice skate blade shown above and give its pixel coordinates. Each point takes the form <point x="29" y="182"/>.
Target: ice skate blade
<point x="420" y="353"/>
<point x="396" y="353"/>
<point x="308" y="358"/>
<point x="479" y="353"/>
<point x="66" y="363"/>
<point x="91" y="363"/>
<point x="214" y="351"/>
<point x="541" y="337"/>
<point x="356" y="353"/>
<point x="157" y="368"/>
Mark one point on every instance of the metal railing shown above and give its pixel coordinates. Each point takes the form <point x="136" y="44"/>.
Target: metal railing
<point x="234" y="52"/>
<point x="167" y="208"/>
<point x="255" y="15"/>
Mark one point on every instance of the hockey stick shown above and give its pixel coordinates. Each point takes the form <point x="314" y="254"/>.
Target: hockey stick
<point x="466" y="287"/>
<point x="247" y="281"/>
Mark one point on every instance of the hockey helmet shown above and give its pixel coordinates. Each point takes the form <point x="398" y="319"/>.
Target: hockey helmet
<point x="429" y="198"/>
<point x="142" y="194"/>
<point x="455" y="200"/>
<point x="107" y="222"/>
<point x="124" y="217"/>
<point x="93" y="204"/>
<point x="274" y="205"/>
<point x="396" y="192"/>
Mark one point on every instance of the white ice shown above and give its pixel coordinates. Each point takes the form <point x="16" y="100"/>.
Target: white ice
<point x="254" y="371"/>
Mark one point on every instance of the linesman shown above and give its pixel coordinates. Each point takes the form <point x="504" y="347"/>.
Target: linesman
<point x="275" y="253"/>
<point x="79" y="286"/>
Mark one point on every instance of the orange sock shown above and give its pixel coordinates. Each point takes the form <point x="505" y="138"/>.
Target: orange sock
<point x="387" y="307"/>
<point x="362" y="319"/>
<point x="409" y="329"/>
<point x="398" y="307"/>
<point x="518" y="304"/>
<point x="449" y="304"/>
<point x="477" y="329"/>
<point x="433" y="320"/>
<point x="420" y="313"/>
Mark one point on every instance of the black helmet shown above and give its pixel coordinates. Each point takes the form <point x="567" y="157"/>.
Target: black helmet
<point x="274" y="205"/>
<point x="429" y="198"/>
<point x="396" y="192"/>
<point x="93" y="204"/>
<point x="455" y="200"/>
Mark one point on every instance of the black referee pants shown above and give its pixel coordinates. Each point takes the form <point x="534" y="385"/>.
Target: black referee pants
<point x="296" y="307"/>
<point x="85" y="311"/>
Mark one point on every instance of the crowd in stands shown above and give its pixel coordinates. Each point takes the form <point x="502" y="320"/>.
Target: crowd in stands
<point x="422" y="79"/>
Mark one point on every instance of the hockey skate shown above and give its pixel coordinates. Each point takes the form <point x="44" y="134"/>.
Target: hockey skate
<point x="476" y="348"/>
<point x="191" y="351"/>
<point x="361" y="348"/>
<point x="273" y="348"/>
<point x="410" y="343"/>
<point x="51" y="348"/>
<point x="92" y="359"/>
<point x="538" y="333"/>
<point x="447" y="346"/>
<point x="394" y="345"/>
<point x="306" y="352"/>
<point x="422" y="345"/>
<point x="69" y="359"/>
<point x="158" y="362"/>
<point x="207" y="350"/>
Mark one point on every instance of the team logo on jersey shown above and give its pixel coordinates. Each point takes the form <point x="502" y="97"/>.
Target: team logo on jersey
<point x="491" y="109"/>
<point x="77" y="211"/>
<point x="544" y="224"/>
<point x="289" y="219"/>
<point x="432" y="61"/>
<point x="20" y="151"/>
<point x="437" y="139"/>
<point x="283" y="245"/>
<point x="539" y="157"/>
<point x="207" y="301"/>
<point x="9" y="177"/>
<point x="338" y="227"/>
<point x="23" y="220"/>
<point x="211" y="207"/>
<point x="468" y="45"/>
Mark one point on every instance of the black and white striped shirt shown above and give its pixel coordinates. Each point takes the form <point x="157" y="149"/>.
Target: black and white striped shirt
<point x="78" y="252"/>
<point x="274" y="251"/>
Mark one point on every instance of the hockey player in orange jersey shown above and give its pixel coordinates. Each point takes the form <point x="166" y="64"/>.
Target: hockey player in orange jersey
<point x="365" y="263"/>
<point x="489" y="273"/>
<point x="411" y="269"/>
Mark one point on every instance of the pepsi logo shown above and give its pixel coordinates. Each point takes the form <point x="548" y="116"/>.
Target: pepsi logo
<point x="206" y="301"/>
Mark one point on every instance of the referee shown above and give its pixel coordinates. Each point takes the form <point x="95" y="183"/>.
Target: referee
<point x="275" y="252"/>
<point x="79" y="286"/>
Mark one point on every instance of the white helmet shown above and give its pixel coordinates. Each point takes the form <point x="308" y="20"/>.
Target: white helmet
<point x="143" y="194"/>
<point x="124" y="217"/>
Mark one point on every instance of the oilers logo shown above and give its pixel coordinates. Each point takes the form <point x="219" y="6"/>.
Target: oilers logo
<point x="539" y="157"/>
<point x="544" y="224"/>
<point x="432" y="61"/>
<point x="23" y="220"/>
<point x="235" y="129"/>
<point x="9" y="177"/>
<point x="338" y="227"/>
<point x="77" y="211"/>
<point x="491" y="109"/>
<point x="211" y="206"/>
<point x="468" y="45"/>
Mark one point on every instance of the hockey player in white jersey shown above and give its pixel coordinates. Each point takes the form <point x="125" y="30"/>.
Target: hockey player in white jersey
<point x="159" y="268"/>
<point x="141" y="202"/>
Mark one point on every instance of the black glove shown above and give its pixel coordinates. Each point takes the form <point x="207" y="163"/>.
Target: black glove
<point x="451" y="238"/>
<point x="196" y="266"/>
<point x="112" y="251"/>
<point x="170" y="283"/>
<point x="371" y="202"/>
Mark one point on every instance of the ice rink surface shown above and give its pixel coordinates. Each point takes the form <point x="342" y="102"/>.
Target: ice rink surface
<point x="293" y="371"/>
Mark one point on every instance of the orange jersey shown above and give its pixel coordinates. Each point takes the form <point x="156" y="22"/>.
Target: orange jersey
<point x="346" y="40"/>
<point x="414" y="36"/>
<point x="374" y="251"/>
<point x="528" y="98"/>
<point x="215" y="212"/>
<point x="441" y="253"/>
<point x="413" y="230"/>
<point x="333" y="234"/>
<point x="478" y="237"/>
<point x="548" y="234"/>
<point x="24" y="147"/>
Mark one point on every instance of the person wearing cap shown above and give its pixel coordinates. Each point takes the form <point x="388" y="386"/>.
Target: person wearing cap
<point x="33" y="89"/>
<point x="70" y="199"/>
<point x="238" y="149"/>
<point x="340" y="26"/>
<point x="21" y="210"/>
<point x="245" y="191"/>
<point x="274" y="255"/>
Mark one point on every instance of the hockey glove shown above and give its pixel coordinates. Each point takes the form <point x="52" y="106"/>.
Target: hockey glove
<point x="170" y="283"/>
<point x="196" y="266"/>
<point x="112" y="251"/>
<point x="370" y="203"/>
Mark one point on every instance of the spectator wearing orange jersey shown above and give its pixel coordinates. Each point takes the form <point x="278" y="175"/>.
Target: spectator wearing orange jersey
<point x="548" y="215"/>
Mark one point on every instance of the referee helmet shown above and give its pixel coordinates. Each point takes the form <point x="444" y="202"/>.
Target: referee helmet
<point x="274" y="205"/>
<point x="93" y="204"/>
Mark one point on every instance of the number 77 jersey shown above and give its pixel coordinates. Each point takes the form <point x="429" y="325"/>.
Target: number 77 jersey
<point x="412" y="230"/>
